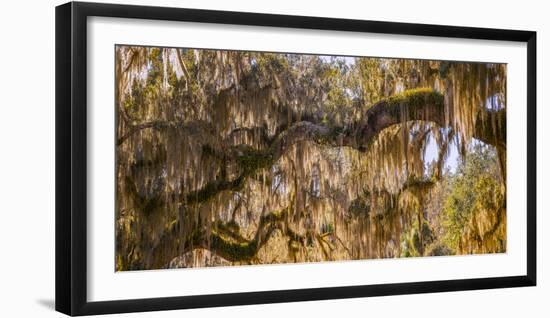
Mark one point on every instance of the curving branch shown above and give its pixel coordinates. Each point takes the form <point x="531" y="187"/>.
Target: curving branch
<point x="198" y="127"/>
<point x="413" y="105"/>
<point x="223" y="239"/>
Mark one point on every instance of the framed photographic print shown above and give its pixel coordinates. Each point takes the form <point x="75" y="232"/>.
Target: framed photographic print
<point x="209" y="158"/>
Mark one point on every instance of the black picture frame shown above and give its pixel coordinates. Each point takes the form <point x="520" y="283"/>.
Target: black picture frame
<point x="71" y="157"/>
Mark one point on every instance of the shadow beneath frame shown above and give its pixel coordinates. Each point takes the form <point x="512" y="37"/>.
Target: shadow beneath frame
<point x="47" y="303"/>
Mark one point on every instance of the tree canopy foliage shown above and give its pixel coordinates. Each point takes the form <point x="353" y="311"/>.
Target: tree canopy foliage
<point x="233" y="157"/>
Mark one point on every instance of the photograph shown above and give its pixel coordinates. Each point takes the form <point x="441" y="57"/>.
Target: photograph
<point x="241" y="158"/>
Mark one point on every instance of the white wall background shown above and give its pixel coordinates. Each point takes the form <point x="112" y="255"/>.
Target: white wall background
<point x="27" y="158"/>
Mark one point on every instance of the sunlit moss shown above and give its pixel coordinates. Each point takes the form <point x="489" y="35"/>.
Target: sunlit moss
<point x="413" y="99"/>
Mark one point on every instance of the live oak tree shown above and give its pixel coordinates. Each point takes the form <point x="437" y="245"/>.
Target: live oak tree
<point x="228" y="157"/>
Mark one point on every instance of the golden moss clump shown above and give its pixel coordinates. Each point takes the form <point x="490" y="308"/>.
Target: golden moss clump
<point x="416" y="97"/>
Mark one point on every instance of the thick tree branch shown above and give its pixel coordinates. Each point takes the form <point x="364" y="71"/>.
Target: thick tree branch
<point x="224" y="240"/>
<point x="415" y="105"/>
